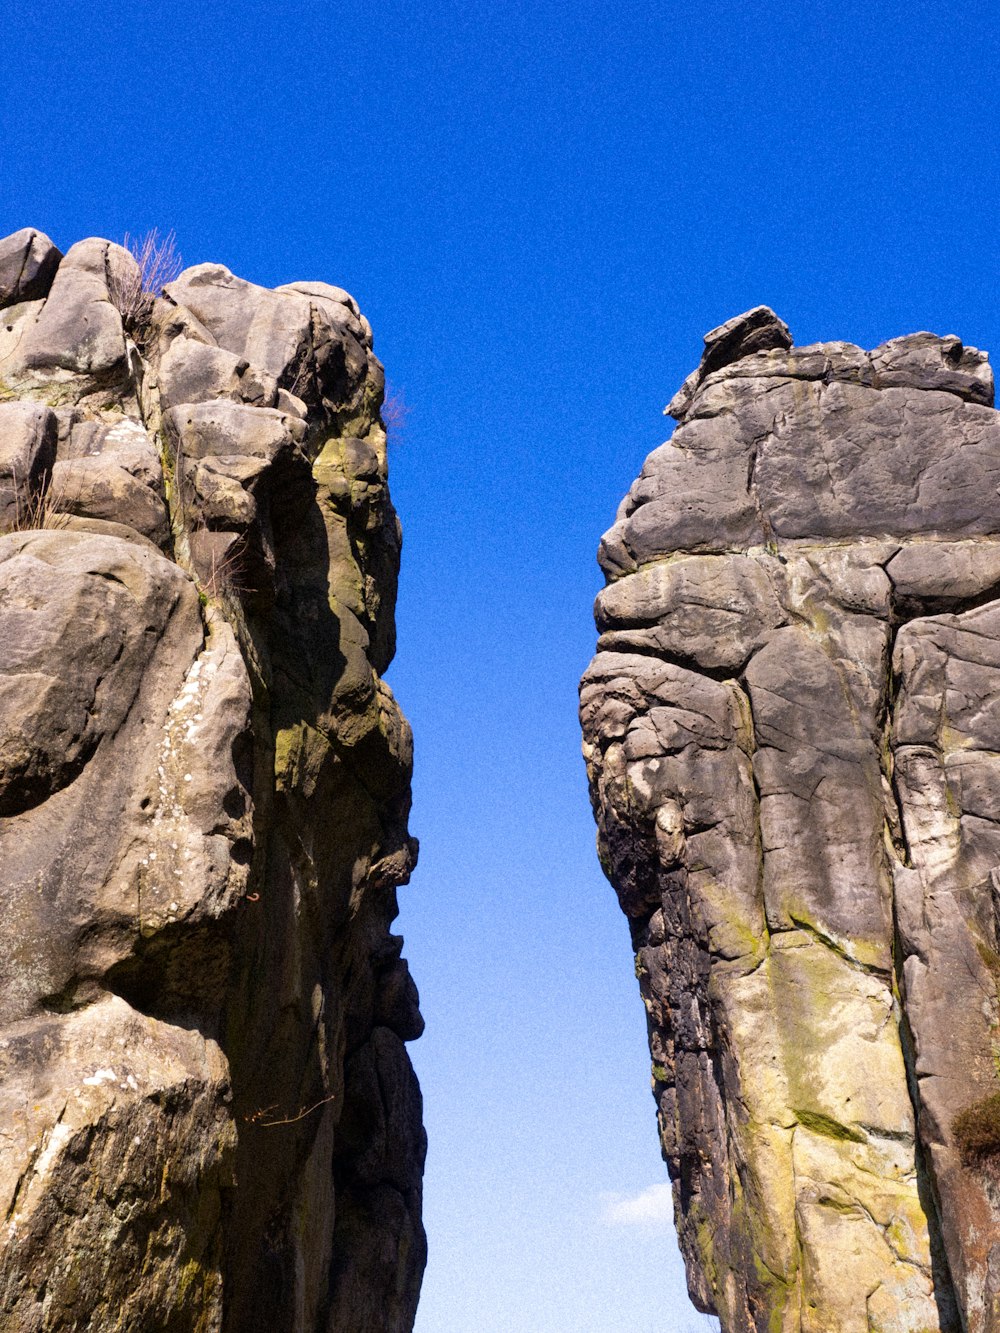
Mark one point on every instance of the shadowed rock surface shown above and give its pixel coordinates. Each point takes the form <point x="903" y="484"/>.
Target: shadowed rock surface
<point x="209" y="1118"/>
<point x="792" y="733"/>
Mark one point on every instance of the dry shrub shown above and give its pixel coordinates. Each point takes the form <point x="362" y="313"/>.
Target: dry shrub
<point x="133" y="290"/>
<point x="394" y="415"/>
<point x="34" y="508"/>
<point x="226" y="575"/>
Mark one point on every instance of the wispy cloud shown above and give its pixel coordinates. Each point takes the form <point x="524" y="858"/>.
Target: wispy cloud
<point x="652" y="1205"/>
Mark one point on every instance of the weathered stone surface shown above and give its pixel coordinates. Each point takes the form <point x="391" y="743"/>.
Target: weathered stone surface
<point x="792" y="731"/>
<point x="191" y="372"/>
<point x="923" y="361"/>
<point x="308" y="336"/>
<point x="28" y="435"/>
<point x="211" y="1121"/>
<point x="77" y="328"/>
<point x="28" y="262"/>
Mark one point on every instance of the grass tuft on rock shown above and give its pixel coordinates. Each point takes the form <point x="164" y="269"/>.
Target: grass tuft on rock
<point x="977" y="1130"/>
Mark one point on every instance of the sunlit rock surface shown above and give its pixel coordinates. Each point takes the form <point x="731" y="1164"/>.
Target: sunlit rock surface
<point x="208" y="1117"/>
<point x="792" y="732"/>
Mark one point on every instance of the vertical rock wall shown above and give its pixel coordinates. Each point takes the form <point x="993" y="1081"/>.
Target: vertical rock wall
<point x="209" y="1118"/>
<point x="792" y="731"/>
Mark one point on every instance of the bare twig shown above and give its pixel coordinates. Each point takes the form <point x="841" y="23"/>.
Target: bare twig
<point x="227" y="573"/>
<point x="257" y="1117"/>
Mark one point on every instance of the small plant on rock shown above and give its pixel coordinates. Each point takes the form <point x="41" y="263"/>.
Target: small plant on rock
<point x="977" y="1131"/>
<point x="226" y="575"/>
<point x="134" y="290"/>
<point x="394" y="415"/>
<point x="30" y="507"/>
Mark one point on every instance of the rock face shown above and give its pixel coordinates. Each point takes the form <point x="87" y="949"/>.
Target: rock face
<point x="792" y="731"/>
<point x="209" y="1118"/>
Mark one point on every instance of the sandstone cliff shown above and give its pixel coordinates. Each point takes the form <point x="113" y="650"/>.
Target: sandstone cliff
<point x="209" y="1118"/>
<point x="792" y="731"/>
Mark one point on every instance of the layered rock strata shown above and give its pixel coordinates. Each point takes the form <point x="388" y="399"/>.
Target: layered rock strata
<point x="209" y="1118"/>
<point x="792" y="732"/>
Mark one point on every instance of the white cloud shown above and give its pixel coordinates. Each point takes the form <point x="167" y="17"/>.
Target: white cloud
<point x="652" y="1205"/>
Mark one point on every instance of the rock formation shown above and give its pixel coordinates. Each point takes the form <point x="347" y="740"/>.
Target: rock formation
<point x="209" y="1118"/>
<point x="792" y="731"/>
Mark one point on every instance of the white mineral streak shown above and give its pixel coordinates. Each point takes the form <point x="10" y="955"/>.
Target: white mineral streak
<point x="54" y="1142"/>
<point x="100" y="1076"/>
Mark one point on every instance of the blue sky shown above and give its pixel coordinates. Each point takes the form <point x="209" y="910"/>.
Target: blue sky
<point x="541" y="210"/>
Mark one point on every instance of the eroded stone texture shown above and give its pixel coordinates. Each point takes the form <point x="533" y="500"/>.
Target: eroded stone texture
<point x="210" y="1121"/>
<point x="792" y="732"/>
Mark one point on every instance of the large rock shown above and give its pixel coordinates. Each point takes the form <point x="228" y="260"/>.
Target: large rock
<point x="210" y="1118"/>
<point x="77" y="328"/>
<point x="792" y="733"/>
<point x="309" y="337"/>
<point x="28" y="263"/>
